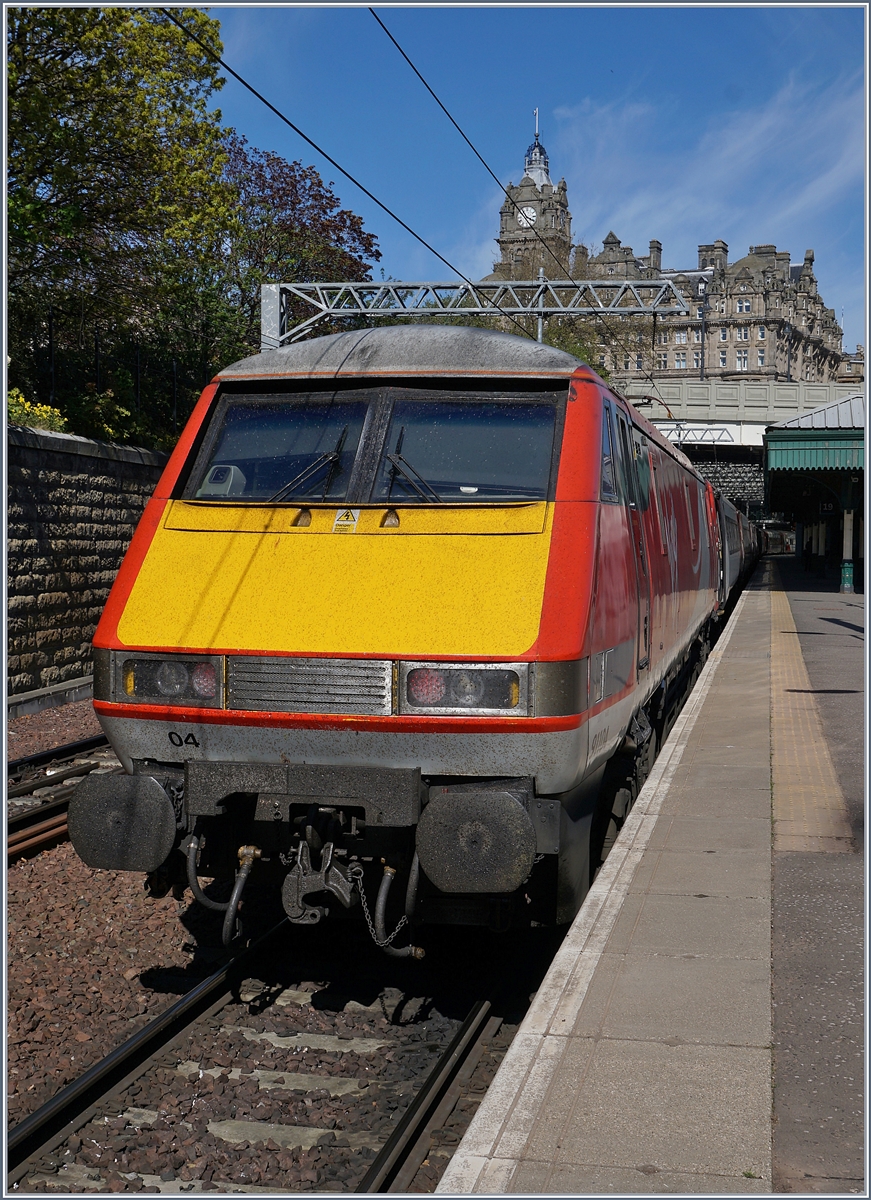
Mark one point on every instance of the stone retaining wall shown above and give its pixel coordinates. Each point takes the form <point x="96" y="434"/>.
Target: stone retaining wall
<point x="73" y="505"/>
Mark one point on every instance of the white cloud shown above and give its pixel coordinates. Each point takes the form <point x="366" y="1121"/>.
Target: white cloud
<point x="788" y="171"/>
<point x="762" y="174"/>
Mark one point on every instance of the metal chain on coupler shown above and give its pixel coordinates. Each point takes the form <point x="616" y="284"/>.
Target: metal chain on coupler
<point x="355" y="870"/>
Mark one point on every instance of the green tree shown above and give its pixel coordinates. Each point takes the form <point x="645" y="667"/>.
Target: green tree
<point x="114" y="172"/>
<point x="140" y="230"/>
<point x="111" y="143"/>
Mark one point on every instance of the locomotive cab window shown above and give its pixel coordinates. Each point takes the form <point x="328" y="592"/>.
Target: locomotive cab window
<point x="465" y="451"/>
<point x="380" y="445"/>
<point x="280" y="449"/>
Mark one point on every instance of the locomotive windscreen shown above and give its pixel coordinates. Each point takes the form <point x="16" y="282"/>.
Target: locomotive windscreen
<point x="378" y="445"/>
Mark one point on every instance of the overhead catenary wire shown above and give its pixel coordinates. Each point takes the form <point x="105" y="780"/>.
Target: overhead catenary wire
<point x="356" y="182"/>
<point x="562" y="266"/>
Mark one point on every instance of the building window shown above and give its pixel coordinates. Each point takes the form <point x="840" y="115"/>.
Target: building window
<point x="743" y="306"/>
<point x="762" y="333"/>
<point x="680" y="359"/>
<point x="849" y="368"/>
<point x="724" y="334"/>
<point x="697" y="335"/>
<point x="741" y="360"/>
<point x="626" y="363"/>
<point x="610" y="270"/>
<point x="760" y="358"/>
<point x="661" y="361"/>
<point x="743" y="334"/>
<point x="697" y="359"/>
<point x="601" y="360"/>
<point x="808" y="371"/>
<point x="662" y="339"/>
<point x="722" y="358"/>
<point x="680" y="337"/>
<point x="638" y="363"/>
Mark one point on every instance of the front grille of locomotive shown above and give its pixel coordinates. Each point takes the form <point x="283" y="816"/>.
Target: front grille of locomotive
<point x="310" y="685"/>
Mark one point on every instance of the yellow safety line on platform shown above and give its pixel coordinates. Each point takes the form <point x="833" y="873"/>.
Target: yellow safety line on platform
<point x="808" y="805"/>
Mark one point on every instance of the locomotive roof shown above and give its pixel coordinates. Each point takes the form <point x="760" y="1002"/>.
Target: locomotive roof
<point x="405" y="350"/>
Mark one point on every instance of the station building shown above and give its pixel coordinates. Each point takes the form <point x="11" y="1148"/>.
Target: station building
<point x="757" y="347"/>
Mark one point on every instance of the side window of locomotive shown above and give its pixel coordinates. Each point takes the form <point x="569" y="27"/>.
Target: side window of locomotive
<point x="466" y="451"/>
<point x="642" y="469"/>
<point x="690" y="493"/>
<point x="282" y="449"/>
<point x="609" y="469"/>
<point x="626" y="463"/>
<point x="655" y="485"/>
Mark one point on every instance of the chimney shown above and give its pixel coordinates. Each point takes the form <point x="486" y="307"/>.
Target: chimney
<point x="655" y="260"/>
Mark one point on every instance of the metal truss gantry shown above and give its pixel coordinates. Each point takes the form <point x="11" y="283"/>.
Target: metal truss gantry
<point x="534" y="298"/>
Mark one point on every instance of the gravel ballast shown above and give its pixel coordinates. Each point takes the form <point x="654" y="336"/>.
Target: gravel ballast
<point x="51" y="727"/>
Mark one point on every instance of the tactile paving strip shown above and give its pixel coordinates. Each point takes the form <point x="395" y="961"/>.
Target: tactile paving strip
<point x="808" y="805"/>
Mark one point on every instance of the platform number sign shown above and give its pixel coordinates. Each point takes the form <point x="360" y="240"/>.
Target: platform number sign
<point x="827" y="507"/>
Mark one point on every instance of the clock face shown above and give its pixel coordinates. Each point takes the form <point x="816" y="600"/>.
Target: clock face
<point x="526" y="217"/>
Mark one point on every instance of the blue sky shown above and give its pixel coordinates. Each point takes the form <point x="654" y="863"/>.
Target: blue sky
<point x="681" y="123"/>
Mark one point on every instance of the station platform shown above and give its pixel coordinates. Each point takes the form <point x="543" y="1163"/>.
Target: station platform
<point x="647" y="1059"/>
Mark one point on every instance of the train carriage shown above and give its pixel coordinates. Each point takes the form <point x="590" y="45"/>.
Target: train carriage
<point x="408" y="604"/>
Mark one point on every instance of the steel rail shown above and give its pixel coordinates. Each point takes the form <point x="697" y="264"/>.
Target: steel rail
<point x="69" y="750"/>
<point x="60" y="1116"/>
<point x="36" y="836"/>
<point x="415" y="1121"/>
<point x="29" y="785"/>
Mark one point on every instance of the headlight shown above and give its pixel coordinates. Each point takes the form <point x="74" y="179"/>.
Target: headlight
<point x="440" y="689"/>
<point x="157" y="679"/>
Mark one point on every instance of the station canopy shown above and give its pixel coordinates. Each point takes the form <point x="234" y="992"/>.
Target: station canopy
<point x="831" y="438"/>
<point x="815" y="462"/>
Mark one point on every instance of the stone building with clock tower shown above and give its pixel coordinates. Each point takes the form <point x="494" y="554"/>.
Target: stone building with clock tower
<point x="534" y="206"/>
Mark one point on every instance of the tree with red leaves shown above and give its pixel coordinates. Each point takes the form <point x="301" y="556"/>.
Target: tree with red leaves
<point x="290" y="229"/>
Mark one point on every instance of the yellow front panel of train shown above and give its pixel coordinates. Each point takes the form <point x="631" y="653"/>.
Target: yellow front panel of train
<point x="459" y="582"/>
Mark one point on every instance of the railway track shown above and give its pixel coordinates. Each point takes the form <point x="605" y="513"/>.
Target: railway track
<point x="359" y="1108"/>
<point x="39" y="788"/>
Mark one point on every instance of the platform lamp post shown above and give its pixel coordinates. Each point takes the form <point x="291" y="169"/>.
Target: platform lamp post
<point x="847" y="554"/>
<point x="847" y="546"/>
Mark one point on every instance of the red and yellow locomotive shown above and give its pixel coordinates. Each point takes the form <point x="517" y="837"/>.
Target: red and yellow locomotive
<point x="407" y="603"/>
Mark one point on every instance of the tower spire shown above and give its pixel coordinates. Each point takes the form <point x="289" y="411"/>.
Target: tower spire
<point x="536" y="164"/>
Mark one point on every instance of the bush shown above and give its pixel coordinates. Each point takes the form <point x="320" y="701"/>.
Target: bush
<point x="37" y="416"/>
<point x="100" y="415"/>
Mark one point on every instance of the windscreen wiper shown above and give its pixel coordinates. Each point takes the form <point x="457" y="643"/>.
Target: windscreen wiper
<point x="403" y="467"/>
<point x="330" y="456"/>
